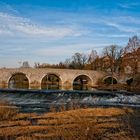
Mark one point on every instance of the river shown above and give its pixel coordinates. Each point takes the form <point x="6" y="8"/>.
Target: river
<point x="41" y="101"/>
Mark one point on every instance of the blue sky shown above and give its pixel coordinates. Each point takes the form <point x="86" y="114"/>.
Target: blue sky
<point x="49" y="31"/>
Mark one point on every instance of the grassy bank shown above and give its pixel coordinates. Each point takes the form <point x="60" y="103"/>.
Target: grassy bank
<point x="78" y="124"/>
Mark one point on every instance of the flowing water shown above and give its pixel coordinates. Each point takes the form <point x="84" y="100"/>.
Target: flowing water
<point x="42" y="100"/>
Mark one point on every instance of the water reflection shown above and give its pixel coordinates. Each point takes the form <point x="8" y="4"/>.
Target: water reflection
<point x="51" y="81"/>
<point x="18" y="81"/>
<point x="110" y="80"/>
<point x="82" y="82"/>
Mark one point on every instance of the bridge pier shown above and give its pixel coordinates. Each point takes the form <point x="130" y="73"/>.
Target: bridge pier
<point x="67" y="85"/>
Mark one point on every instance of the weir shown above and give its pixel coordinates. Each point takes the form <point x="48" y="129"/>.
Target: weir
<point x="42" y="100"/>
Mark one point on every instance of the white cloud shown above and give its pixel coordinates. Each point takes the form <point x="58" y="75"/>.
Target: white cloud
<point x="113" y="35"/>
<point x="69" y="50"/>
<point x="126" y="19"/>
<point x="128" y="5"/>
<point x="123" y="28"/>
<point x="36" y="42"/>
<point x="13" y="25"/>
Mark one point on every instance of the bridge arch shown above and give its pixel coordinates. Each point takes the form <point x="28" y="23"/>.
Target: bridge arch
<point x="108" y="80"/>
<point x="82" y="82"/>
<point x="129" y="81"/>
<point x="51" y="81"/>
<point x="18" y="80"/>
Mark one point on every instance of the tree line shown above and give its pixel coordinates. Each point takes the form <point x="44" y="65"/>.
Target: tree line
<point x="114" y="58"/>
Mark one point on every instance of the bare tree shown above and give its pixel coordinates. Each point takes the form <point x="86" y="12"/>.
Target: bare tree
<point x="93" y="60"/>
<point x="131" y="54"/>
<point x="79" y="60"/>
<point x="92" y="56"/>
<point x="67" y="62"/>
<point x="112" y="55"/>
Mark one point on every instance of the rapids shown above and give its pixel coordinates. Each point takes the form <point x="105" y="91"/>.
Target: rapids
<point x="42" y="100"/>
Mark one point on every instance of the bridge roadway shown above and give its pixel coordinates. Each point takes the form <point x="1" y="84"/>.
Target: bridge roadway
<point x="66" y="76"/>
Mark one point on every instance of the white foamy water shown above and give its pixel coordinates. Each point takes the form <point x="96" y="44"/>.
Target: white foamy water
<point x="42" y="101"/>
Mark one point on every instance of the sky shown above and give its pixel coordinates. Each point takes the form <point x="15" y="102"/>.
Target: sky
<point x="49" y="31"/>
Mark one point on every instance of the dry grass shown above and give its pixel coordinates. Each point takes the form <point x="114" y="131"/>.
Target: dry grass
<point x="7" y="112"/>
<point x="79" y="124"/>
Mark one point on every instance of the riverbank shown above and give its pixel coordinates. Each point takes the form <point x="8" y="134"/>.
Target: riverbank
<point x="119" y="87"/>
<point x="80" y="124"/>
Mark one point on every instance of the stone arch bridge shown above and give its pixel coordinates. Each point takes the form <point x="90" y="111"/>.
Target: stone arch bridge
<point x="66" y="78"/>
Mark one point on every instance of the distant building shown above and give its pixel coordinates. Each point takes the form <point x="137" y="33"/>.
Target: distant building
<point x="25" y="64"/>
<point x="131" y="62"/>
